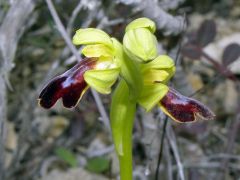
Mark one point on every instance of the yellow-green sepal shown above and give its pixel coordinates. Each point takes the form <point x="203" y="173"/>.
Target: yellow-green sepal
<point x="171" y="71"/>
<point x="140" y="44"/>
<point x="97" y="50"/>
<point x="101" y="79"/>
<point x="91" y="36"/>
<point x="142" y="23"/>
<point x="152" y="94"/>
<point x="160" y="69"/>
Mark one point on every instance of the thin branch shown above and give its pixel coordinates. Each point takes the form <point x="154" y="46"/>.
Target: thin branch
<point x="172" y="141"/>
<point x="223" y="156"/>
<point x="104" y="116"/>
<point x="161" y="147"/>
<point x="221" y="68"/>
<point x="67" y="39"/>
<point x="169" y="161"/>
<point x="207" y="165"/>
<point x="61" y="29"/>
<point x="75" y="12"/>
<point x="166" y="22"/>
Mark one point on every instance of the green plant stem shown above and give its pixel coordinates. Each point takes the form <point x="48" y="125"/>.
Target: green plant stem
<point x="122" y="118"/>
<point x="126" y="159"/>
<point x="126" y="166"/>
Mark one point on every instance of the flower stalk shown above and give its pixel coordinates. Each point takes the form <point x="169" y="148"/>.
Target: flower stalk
<point x="122" y="118"/>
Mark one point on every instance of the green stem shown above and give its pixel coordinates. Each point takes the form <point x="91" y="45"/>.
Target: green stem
<point x="122" y="118"/>
<point x="126" y="166"/>
<point x="126" y="159"/>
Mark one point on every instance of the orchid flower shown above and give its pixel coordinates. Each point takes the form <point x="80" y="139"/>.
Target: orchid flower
<point x="143" y="80"/>
<point x="98" y="70"/>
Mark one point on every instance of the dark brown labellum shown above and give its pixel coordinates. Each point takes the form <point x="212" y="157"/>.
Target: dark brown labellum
<point x="184" y="109"/>
<point x="69" y="86"/>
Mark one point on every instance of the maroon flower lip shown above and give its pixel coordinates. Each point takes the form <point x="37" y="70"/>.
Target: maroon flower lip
<point x="184" y="109"/>
<point x="69" y="86"/>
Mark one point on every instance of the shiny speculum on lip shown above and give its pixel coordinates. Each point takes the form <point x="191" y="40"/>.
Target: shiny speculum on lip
<point x="69" y="86"/>
<point x="184" y="109"/>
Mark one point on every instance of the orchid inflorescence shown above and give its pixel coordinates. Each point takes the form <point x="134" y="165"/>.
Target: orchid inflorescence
<point x="142" y="76"/>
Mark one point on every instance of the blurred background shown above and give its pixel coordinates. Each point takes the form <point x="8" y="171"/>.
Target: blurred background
<point x="203" y="37"/>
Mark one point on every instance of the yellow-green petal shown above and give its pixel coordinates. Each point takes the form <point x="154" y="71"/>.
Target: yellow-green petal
<point x="91" y="36"/>
<point x="101" y="80"/>
<point x="151" y="95"/>
<point x="142" y="23"/>
<point x="97" y="50"/>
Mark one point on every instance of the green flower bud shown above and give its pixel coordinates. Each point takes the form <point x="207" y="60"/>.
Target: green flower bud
<point x="142" y="23"/>
<point x="140" y="44"/>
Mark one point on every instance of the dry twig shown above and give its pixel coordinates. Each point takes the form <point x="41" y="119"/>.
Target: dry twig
<point x="166" y="22"/>
<point x="172" y="142"/>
